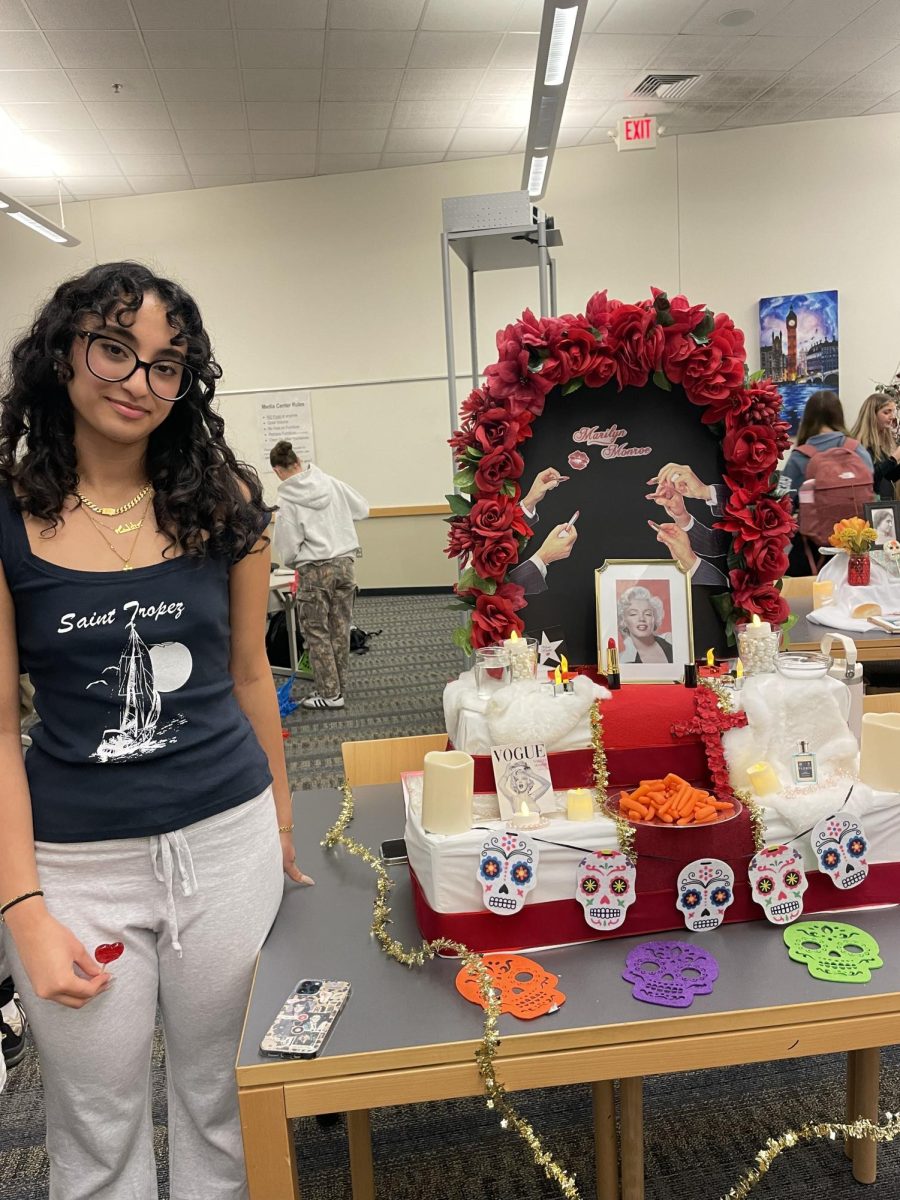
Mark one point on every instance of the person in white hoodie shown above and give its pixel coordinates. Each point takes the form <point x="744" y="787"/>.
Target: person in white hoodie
<point x="314" y="532"/>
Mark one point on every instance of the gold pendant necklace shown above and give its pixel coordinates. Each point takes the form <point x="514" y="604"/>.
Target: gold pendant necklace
<point x="124" y="559"/>
<point x="114" y="512"/>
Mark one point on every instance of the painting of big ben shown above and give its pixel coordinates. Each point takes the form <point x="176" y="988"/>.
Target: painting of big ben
<point x="798" y="347"/>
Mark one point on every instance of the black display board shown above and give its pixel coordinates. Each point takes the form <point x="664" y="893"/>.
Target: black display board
<point x="626" y="438"/>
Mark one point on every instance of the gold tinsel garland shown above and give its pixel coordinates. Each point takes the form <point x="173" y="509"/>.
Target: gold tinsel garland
<point x="485" y="1054"/>
<point x="624" y="829"/>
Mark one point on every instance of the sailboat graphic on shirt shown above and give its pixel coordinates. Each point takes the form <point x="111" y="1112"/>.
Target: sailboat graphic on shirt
<point x="141" y="674"/>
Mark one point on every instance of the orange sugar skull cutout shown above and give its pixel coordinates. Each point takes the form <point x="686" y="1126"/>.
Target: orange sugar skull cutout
<point x="523" y="987"/>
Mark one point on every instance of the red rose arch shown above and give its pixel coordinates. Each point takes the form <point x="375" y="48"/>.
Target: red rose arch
<point x="667" y="340"/>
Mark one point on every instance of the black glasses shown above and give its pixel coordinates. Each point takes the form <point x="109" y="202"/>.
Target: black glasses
<point x="168" y="378"/>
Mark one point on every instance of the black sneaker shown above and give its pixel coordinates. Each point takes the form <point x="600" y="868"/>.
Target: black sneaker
<point x="13" y="1036"/>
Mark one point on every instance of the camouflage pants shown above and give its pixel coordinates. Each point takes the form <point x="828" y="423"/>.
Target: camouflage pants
<point x="324" y="611"/>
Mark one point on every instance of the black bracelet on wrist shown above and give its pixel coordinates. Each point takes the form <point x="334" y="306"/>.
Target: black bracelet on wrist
<point x="4" y="909"/>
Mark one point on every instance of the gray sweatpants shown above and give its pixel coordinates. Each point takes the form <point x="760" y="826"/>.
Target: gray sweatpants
<point x="192" y="909"/>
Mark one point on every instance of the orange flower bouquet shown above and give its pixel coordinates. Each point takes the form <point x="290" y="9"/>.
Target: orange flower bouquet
<point x="854" y="535"/>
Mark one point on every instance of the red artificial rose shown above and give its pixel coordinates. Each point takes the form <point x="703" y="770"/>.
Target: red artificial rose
<point x="513" y="383"/>
<point x="509" y="342"/>
<point x="750" y="520"/>
<point x="496" y="467"/>
<point x="497" y="429"/>
<point x="680" y="316"/>
<point x="638" y="343"/>
<point x="494" y="516"/>
<point x="750" y="451"/>
<point x="462" y="438"/>
<point x="765" y="400"/>
<point x="766" y="557"/>
<point x="602" y="369"/>
<point x="753" y="596"/>
<point x="492" y="557"/>
<point x="461" y="539"/>
<point x="494" y="617"/>
<point x="599" y="311"/>
<point x="578" y="460"/>
<point x="715" y="372"/>
<point x="573" y="351"/>
<point x="677" y="351"/>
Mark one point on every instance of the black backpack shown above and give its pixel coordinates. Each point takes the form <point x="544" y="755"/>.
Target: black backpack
<point x="359" y="639"/>
<point x="277" y="646"/>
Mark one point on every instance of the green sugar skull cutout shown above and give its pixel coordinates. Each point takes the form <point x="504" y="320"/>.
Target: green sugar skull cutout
<point x="833" y="951"/>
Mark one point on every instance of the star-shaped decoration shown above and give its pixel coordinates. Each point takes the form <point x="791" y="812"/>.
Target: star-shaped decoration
<point x="547" y="649"/>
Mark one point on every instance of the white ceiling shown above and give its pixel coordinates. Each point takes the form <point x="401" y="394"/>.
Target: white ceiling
<point x="238" y="91"/>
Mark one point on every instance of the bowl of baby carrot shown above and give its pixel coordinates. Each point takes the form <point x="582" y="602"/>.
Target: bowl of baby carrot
<point x="673" y="802"/>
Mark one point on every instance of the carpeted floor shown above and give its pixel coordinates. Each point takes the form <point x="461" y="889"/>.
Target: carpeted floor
<point x="702" y="1130"/>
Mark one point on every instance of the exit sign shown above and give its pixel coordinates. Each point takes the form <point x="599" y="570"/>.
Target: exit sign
<point x="636" y="133"/>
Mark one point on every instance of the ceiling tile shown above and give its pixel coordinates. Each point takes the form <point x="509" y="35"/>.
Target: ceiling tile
<point x="869" y="85"/>
<point x="617" y="51"/>
<point x="488" y="141"/>
<point x="281" y="47"/>
<point x="290" y="86"/>
<point x="283" y="141"/>
<point x="642" y="108"/>
<point x="214" y="141"/>
<point x="602" y="85"/>
<point x="835" y="105"/>
<point x="219" y="164"/>
<point x="97" y="84"/>
<point x="691" y="118"/>
<point x="583" y="114"/>
<point x="648" y="16"/>
<point x="152" y="164"/>
<point x="486" y="114"/>
<point x="68" y="114"/>
<point x="147" y="184"/>
<point x="465" y="155"/>
<point x="565" y="138"/>
<point x="375" y="14"/>
<point x="423" y="114"/>
<point x="517" y="50"/>
<point x="802" y="85"/>
<point x="410" y="159"/>
<point x="804" y="16"/>
<point x="469" y="14"/>
<point x="763" y="114"/>
<point x="130" y="114"/>
<point x="499" y="84"/>
<point x="200" y="84"/>
<point x="349" y="114"/>
<point x="354" y="48"/>
<point x="82" y="14"/>
<point x="892" y="104"/>
<point x="21" y="187"/>
<point x="352" y="141"/>
<point x="95" y="187"/>
<point x="881" y="20"/>
<point x="279" y="14"/>
<point x="346" y="84"/>
<point x="722" y="87"/>
<point x="176" y="14"/>
<point x="14" y="16"/>
<point x="33" y="87"/>
<point x="74" y="141"/>
<point x="529" y="14"/>
<point x="693" y="52"/>
<point x="97" y="48"/>
<point x="845" y="53"/>
<point x="191" y="48"/>
<point x="773" y="53"/>
<point x="24" y="50"/>
<point x="211" y="181"/>
<point x="338" y="164"/>
<point x="87" y="164"/>
<point x="412" y="141"/>
<point x="596" y="137"/>
<point x="275" y="115"/>
<point x="453" y="49"/>
<point x="207" y="114"/>
<point x="440" y="85"/>
<point x="293" y="165"/>
<point x="708" y="18"/>
<point x="142" y="141"/>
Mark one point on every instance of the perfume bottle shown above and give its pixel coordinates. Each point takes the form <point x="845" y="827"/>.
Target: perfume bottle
<point x="803" y="765"/>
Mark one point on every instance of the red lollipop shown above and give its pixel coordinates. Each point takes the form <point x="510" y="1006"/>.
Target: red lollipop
<point x="108" y="952"/>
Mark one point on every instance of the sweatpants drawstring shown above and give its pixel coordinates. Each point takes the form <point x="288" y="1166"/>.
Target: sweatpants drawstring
<point x="168" y="850"/>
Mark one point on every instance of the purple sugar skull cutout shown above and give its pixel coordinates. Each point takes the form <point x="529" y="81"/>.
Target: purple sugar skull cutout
<point x="670" y="973"/>
<point x="840" y="846"/>
<point x="507" y="872"/>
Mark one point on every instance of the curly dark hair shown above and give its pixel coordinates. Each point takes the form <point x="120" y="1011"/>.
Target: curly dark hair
<point x="205" y="501"/>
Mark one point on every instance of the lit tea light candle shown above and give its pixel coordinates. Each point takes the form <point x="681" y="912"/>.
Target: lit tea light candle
<point x="710" y="668"/>
<point x="522" y="656"/>
<point x="763" y="779"/>
<point x="579" y="804"/>
<point x="558" y="685"/>
<point x="757" y="646"/>
<point x="710" y="657"/>
<point x="525" y="818"/>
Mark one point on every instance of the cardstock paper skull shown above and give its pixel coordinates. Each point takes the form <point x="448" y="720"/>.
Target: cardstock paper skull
<point x="521" y="985"/>
<point x="705" y="889"/>
<point x="605" y="887"/>
<point x="833" y="951"/>
<point x="840" y="844"/>
<point x="507" y="871"/>
<point x="777" y="882"/>
<point x="670" y="973"/>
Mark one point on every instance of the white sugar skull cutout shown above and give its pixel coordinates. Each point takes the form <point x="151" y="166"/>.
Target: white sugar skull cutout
<point x="507" y="872"/>
<point x="840" y="845"/>
<point x="605" y="887"/>
<point x="705" y="889"/>
<point x="777" y="882"/>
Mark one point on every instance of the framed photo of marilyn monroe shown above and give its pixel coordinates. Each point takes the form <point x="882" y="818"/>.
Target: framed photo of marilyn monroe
<point x="644" y="605"/>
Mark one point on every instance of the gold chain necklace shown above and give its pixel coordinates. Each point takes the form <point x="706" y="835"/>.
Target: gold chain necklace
<point x="124" y="559"/>
<point x="114" y="512"/>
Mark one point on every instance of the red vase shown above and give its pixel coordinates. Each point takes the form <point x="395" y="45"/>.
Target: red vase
<point x="858" y="570"/>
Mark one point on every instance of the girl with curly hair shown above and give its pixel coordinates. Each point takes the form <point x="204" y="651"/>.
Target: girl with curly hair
<point x="150" y="823"/>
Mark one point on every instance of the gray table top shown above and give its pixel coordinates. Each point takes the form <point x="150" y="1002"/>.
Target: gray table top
<point x="324" y="932"/>
<point x="807" y="633"/>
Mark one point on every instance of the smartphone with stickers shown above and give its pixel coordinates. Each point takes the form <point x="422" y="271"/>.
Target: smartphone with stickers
<point x="306" y="1019"/>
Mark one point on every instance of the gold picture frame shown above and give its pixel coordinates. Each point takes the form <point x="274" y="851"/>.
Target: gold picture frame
<point x="660" y="626"/>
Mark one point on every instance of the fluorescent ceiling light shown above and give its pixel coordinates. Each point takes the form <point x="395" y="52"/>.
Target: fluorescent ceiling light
<point x="536" y="175"/>
<point x="24" y="156"/>
<point x="3" y="204"/>
<point x="36" y="221"/>
<point x="24" y="219"/>
<point x="561" y="35"/>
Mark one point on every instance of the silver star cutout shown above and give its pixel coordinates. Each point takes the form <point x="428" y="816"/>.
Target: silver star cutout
<point x="547" y="650"/>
